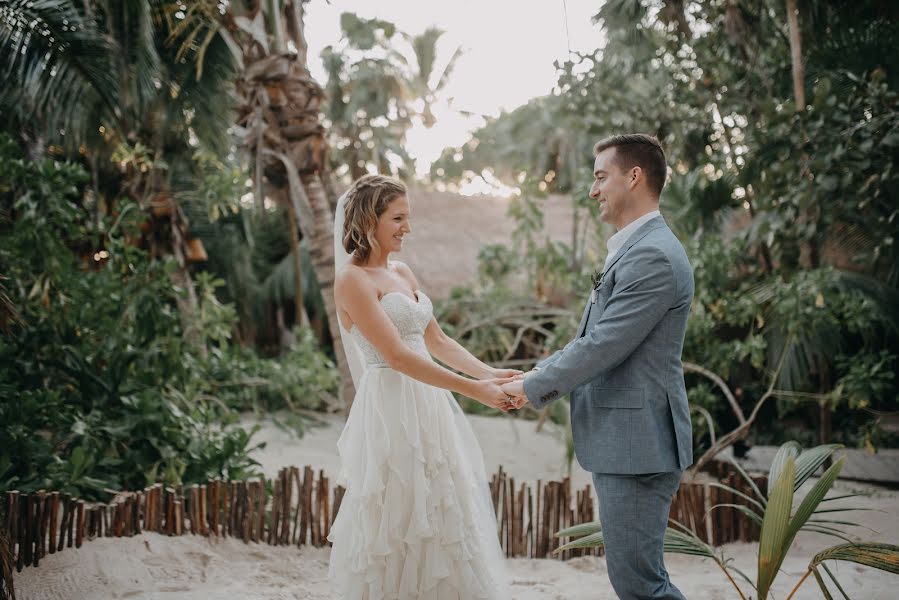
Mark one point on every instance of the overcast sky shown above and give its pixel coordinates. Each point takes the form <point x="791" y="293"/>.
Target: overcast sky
<point x="509" y="49"/>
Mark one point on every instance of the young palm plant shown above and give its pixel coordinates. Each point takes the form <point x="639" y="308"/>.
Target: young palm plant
<point x="780" y="522"/>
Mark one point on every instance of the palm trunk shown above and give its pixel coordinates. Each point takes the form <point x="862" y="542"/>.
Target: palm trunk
<point x="796" y="55"/>
<point x="300" y="316"/>
<point x="321" y="251"/>
<point x="187" y="301"/>
<point x="279" y="113"/>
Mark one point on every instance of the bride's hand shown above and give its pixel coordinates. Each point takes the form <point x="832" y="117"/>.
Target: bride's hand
<point x="495" y="373"/>
<point x="489" y="393"/>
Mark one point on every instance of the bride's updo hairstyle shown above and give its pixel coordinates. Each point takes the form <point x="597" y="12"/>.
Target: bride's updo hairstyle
<point x="366" y="201"/>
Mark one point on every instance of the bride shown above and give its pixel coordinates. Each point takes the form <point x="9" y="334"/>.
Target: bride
<point x="416" y="521"/>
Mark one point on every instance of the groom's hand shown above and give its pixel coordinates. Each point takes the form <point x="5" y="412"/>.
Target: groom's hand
<point x="516" y="390"/>
<point x="489" y="393"/>
<point x="503" y="373"/>
<point x="527" y="374"/>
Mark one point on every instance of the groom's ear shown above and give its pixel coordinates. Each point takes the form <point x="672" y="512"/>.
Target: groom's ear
<point x="634" y="176"/>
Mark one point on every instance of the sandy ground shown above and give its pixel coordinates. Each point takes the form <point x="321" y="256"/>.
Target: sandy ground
<point x="152" y="567"/>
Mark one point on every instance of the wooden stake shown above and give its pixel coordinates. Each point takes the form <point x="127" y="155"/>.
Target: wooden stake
<point x="79" y="532"/>
<point x="260" y="512"/>
<point x="316" y="516"/>
<point x="63" y="525"/>
<point x="28" y="538"/>
<point x="326" y="511"/>
<point x="70" y="541"/>
<point x="276" y="512"/>
<point x="204" y="530"/>
<point x="531" y="530"/>
<point x="214" y="505"/>
<point x="194" y="509"/>
<point x="46" y="518"/>
<point x="287" y="521"/>
<point x="306" y="515"/>
<point x="21" y="532"/>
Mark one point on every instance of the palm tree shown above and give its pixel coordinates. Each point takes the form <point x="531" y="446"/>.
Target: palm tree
<point x="93" y="77"/>
<point x="780" y="522"/>
<point x="369" y="97"/>
<point x="424" y="46"/>
<point x="277" y="124"/>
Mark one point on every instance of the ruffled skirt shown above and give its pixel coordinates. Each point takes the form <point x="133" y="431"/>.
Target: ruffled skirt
<point x="416" y="521"/>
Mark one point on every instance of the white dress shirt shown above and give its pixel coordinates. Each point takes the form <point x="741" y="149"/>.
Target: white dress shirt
<point x="617" y="241"/>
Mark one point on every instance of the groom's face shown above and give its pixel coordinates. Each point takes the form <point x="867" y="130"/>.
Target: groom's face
<point x="611" y="187"/>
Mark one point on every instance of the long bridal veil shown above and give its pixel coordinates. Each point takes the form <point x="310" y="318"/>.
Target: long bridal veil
<point x="350" y="348"/>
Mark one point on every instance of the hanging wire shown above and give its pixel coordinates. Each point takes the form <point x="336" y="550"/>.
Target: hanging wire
<point x="567" y="35"/>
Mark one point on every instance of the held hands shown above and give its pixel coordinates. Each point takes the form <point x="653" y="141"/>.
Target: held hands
<point x="515" y="389"/>
<point x="489" y="393"/>
<point x="503" y="391"/>
<point x="494" y="373"/>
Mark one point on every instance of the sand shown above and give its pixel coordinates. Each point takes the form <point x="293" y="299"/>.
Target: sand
<point x="153" y="567"/>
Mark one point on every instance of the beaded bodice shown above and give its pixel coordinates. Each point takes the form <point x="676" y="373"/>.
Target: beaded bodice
<point x="410" y="317"/>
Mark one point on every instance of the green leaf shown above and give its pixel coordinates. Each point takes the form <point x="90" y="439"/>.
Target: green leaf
<point x="812" y="500"/>
<point x="811" y="460"/>
<point x="784" y="453"/>
<point x="775" y="526"/>
<point x="591" y="541"/>
<point x="579" y="530"/>
<point x="884" y="557"/>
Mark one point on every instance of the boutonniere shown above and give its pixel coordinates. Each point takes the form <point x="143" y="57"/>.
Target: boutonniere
<point x="596" y="279"/>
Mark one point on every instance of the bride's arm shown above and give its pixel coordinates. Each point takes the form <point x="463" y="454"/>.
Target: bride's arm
<point x="446" y="349"/>
<point x="358" y="297"/>
<point x="452" y="353"/>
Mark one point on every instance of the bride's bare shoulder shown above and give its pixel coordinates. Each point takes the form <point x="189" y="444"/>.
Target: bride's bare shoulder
<point x="352" y="279"/>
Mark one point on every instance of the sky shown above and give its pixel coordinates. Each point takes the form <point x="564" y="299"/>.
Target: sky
<point x="509" y="47"/>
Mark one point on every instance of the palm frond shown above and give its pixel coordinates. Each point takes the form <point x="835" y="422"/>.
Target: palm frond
<point x="58" y="68"/>
<point x="811" y="500"/>
<point x="775" y="526"/>
<point x="808" y="463"/>
<point x="750" y="514"/>
<point x="581" y="529"/>
<point x="871" y="554"/>
<point x="788" y="451"/>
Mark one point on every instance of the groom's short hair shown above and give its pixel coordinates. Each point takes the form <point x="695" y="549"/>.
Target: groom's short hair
<point x="638" y="150"/>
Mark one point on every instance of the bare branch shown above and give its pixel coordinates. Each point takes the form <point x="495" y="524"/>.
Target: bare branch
<point x="694" y="368"/>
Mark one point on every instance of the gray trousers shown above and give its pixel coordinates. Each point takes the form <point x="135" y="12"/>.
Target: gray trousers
<point x="633" y="511"/>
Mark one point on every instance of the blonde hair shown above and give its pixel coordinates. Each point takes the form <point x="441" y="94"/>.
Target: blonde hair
<point x="366" y="201"/>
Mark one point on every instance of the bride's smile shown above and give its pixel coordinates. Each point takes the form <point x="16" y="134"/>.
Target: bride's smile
<point x="393" y="225"/>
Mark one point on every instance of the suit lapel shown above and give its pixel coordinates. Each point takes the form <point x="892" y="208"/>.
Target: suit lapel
<point x="635" y="237"/>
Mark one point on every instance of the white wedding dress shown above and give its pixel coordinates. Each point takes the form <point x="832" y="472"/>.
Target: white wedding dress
<point x="416" y="521"/>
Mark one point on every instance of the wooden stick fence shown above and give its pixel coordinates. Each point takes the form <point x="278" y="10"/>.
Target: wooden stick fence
<point x="299" y="507"/>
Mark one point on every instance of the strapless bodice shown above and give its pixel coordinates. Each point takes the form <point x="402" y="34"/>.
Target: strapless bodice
<point x="410" y="317"/>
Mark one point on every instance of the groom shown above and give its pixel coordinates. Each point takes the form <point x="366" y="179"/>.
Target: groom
<point x="629" y="413"/>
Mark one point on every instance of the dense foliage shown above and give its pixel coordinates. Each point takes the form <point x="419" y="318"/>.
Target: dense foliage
<point x="788" y="211"/>
<point x="99" y="388"/>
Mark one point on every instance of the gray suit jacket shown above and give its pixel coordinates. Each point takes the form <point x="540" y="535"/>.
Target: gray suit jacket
<point x="629" y="412"/>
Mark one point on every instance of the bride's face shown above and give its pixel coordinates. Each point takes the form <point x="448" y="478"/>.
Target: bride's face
<point x="393" y="224"/>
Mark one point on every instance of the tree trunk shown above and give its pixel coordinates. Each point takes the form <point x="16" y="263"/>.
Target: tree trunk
<point x="187" y="301"/>
<point x="796" y="55"/>
<point x="278" y="113"/>
<point x="300" y="317"/>
<point x="321" y="252"/>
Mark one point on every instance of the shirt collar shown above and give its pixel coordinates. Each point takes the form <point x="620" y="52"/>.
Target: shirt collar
<point x="616" y="241"/>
